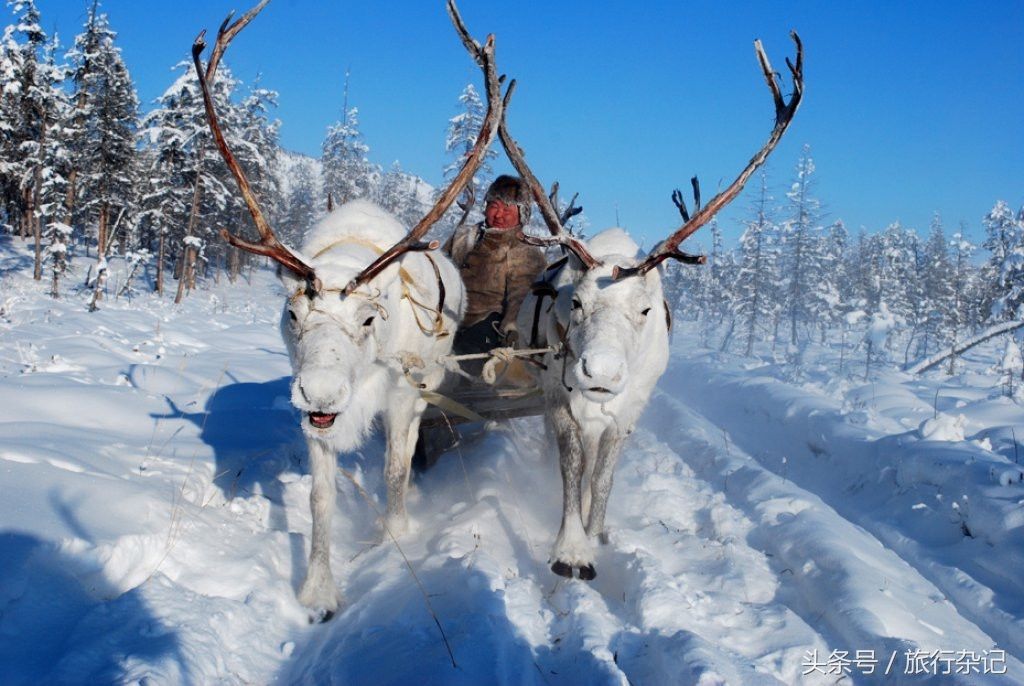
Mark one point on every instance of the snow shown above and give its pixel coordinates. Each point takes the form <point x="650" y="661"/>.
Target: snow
<point x="154" y="522"/>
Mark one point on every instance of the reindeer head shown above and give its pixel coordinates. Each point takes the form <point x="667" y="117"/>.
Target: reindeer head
<point x="334" y="337"/>
<point x="607" y="325"/>
<point x="607" y="292"/>
<point x="334" y="322"/>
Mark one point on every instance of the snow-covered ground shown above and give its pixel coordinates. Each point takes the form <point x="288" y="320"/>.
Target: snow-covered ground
<point x="154" y="521"/>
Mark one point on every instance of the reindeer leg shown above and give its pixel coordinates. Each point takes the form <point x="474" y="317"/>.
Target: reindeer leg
<point x="601" y="481"/>
<point x="572" y="549"/>
<point x="402" y="423"/>
<point x="318" y="592"/>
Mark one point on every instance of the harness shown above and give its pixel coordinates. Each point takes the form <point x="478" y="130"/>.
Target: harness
<point x="407" y="284"/>
<point x="541" y="289"/>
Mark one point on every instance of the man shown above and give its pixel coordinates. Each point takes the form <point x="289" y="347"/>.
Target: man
<point x="497" y="268"/>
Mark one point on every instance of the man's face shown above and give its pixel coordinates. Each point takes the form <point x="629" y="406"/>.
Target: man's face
<point x="501" y="215"/>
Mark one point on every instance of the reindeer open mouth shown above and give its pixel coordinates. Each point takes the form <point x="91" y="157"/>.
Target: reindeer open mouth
<point x="322" y="420"/>
<point x="600" y="389"/>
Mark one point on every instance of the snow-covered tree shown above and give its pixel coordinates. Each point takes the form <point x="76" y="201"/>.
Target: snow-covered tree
<point x="302" y="199"/>
<point x="199" y="197"/>
<point x="938" y="282"/>
<point x="348" y="173"/>
<point x="31" y="106"/>
<point x="1004" y="271"/>
<point x="105" y="118"/>
<point x="961" y="312"/>
<point x="1010" y="365"/>
<point x="801" y="248"/>
<point x="462" y="133"/>
<point x="757" y="273"/>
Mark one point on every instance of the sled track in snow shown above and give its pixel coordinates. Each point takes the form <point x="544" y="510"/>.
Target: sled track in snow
<point x="680" y="593"/>
<point x="840" y="573"/>
<point x="718" y="571"/>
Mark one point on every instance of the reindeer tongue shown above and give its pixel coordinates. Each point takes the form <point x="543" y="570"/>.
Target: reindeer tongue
<point x="322" y="420"/>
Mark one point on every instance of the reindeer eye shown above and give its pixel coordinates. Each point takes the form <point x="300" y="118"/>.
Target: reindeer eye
<point x="369" y="320"/>
<point x="646" y="310"/>
<point x="576" y="304"/>
<point x="292" y="315"/>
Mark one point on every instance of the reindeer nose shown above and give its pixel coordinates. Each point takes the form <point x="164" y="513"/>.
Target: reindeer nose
<point x="322" y="390"/>
<point x="604" y="369"/>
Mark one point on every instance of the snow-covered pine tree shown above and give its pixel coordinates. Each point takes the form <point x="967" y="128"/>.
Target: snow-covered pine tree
<point x="939" y="279"/>
<point x="757" y="274"/>
<point x="170" y="134"/>
<point x="104" y="156"/>
<point x="712" y="300"/>
<point x="1004" y="271"/>
<point x="35" y="107"/>
<point x="10" y="118"/>
<point x="24" y="117"/>
<point x="302" y="199"/>
<point x="390" y="193"/>
<point x="832" y="301"/>
<point x="255" y="144"/>
<point x="348" y="173"/>
<point x="54" y="165"/>
<point x="913" y="303"/>
<point x="961" y="310"/>
<point x="198" y="196"/>
<point x="801" y="248"/>
<point x="459" y="139"/>
<point x="1010" y="365"/>
<point x="802" y="260"/>
<point x="897" y="269"/>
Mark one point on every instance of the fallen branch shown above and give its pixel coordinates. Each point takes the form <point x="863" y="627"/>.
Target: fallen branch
<point x="991" y="332"/>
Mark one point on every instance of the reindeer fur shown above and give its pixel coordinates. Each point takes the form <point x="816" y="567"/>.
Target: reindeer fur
<point x="350" y="355"/>
<point x="616" y="349"/>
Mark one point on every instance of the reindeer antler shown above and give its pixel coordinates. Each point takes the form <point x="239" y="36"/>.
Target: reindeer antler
<point x="268" y="245"/>
<point x="559" y="236"/>
<point x="784" y="112"/>
<point x="484" y="56"/>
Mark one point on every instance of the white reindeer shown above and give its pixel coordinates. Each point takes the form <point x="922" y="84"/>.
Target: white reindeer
<point x="363" y="340"/>
<point x="601" y="308"/>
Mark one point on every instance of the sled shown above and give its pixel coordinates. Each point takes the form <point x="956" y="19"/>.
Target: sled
<point x="475" y="401"/>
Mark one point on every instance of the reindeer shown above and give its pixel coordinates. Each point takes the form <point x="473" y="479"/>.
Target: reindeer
<point x="369" y="312"/>
<point x="601" y="308"/>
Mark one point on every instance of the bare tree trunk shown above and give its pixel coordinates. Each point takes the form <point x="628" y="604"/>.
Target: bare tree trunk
<point x="160" y="264"/>
<point x="69" y="198"/>
<point x="186" y="268"/>
<point x="233" y="264"/>
<point x="26" y="214"/>
<point x="842" y="350"/>
<point x="101" y="232"/>
<point x="97" y="292"/>
<point x="867" y="361"/>
<point x="37" y="228"/>
<point x="186" y="259"/>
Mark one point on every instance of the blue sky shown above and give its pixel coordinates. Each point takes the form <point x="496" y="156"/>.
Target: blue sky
<point x="910" y="107"/>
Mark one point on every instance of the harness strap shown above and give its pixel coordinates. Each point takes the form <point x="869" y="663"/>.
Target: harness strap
<point x="448" y="405"/>
<point x="407" y="284"/>
<point x="540" y="289"/>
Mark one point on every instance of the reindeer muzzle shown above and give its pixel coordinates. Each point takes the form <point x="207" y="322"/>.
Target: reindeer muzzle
<point x="322" y="420"/>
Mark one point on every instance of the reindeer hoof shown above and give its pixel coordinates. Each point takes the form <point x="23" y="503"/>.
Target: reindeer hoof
<point x="562" y="569"/>
<point x="588" y="573"/>
<point x="321" y="616"/>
